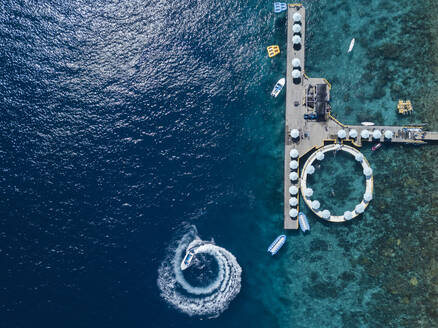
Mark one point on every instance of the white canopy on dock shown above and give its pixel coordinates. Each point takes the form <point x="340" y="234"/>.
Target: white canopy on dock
<point x="308" y="192"/>
<point x="294" y="133"/>
<point x="358" y="157"/>
<point x="320" y="156"/>
<point x="296" y="28"/>
<point x="315" y="204"/>
<point x="294" y="153"/>
<point x="296" y="17"/>
<point x="365" y="134"/>
<point x="293" y="176"/>
<point x="325" y="214"/>
<point x="293" y="190"/>
<point x="360" y="208"/>
<point x="367" y="196"/>
<point x="367" y="171"/>
<point x="342" y="134"/>
<point x="377" y="134"/>
<point x="296" y="74"/>
<point x="293" y="213"/>
<point x="352" y="133"/>
<point x="296" y="39"/>
<point x="388" y="134"/>
<point x="296" y="62"/>
<point x="310" y="169"/>
<point x="293" y="201"/>
<point x="293" y="165"/>
<point x="348" y="215"/>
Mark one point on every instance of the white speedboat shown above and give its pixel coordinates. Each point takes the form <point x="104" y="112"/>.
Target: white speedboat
<point x="304" y="224"/>
<point x="367" y="123"/>
<point x="278" y="87"/>
<point x="351" y="45"/>
<point x="187" y="260"/>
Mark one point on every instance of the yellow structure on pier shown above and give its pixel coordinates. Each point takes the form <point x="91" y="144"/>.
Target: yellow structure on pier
<point x="273" y="51"/>
<point x="404" y="107"/>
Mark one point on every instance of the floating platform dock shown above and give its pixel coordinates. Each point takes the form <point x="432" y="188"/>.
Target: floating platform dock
<point x="308" y="119"/>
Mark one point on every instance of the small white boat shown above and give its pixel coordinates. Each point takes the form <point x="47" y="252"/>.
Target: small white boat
<point x="351" y="45"/>
<point x="187" y="260"/>
<point x="367" y="123"/>
<point x="276" y="244"/>
<point x="304" y="224"/>
<point x="278" y="87"/>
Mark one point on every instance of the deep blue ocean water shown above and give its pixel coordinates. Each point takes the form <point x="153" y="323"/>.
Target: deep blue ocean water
<point x="125" y="124"/>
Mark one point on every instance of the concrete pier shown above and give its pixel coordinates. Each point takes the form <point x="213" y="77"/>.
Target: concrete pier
<point x="308" y="114"/>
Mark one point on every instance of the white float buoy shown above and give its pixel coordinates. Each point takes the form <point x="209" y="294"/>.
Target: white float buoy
<point x="296" y="74"/>
<point x="325" y="214"/>
<point x="296" y="39"/>
<point x="293" y="201"/>
<point x="342" y="134"/>
<point x="293" y="153"/>
<point x="360" y="208"/>
<point x="377" y="134"/>
<point x="353" y="133"/>
<point x="367" y="197"/>
<point x="296" y="62"/>
<point x="388" y="134"/>
<point x="315" y="204"/>
<point x="293" y="176"/>
<point x="359" y="157"/>
<point x="296" y="28"/>
<point x="367" y="171"/>
<point x="294" y="133"/>
<point x="293" y="165"/>
<point x="293" y="190"/>
<point x="365" y="134"/>
<point x="348" y="215"/>
<point x="296" y="17"/>
<point x="308" y="192"/>
<point x="293" y="213"/>
<point x="310" y="169"/>
<point x="320" y="156"/>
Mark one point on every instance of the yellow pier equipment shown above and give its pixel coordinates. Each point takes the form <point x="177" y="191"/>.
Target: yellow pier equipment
<point x="273" y="51"/>
<point x="404" y="107"/>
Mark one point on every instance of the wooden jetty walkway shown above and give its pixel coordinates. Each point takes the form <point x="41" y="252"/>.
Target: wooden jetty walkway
<point x="308" y="116"/>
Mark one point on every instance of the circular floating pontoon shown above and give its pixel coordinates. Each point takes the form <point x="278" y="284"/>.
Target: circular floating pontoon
<point x="365" y="134"/>
<point x="314" y="205"/>
<point x="293" y="201"/>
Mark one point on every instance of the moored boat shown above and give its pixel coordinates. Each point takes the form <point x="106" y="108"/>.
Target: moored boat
<point x="277" y="244"/>
<point x="351" y="45"/>
<point x="376" y="147"/>
<point x="187" y="260"/>
<point x="302" y="220"/>
<point x="278" y="87"/>
<point x="367" y="123"/>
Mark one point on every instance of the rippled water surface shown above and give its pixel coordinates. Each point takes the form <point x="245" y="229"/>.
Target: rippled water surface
<point x="125" y="124"/>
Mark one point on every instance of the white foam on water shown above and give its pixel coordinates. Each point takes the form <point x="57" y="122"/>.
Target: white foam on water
<point x="210" y="300"/>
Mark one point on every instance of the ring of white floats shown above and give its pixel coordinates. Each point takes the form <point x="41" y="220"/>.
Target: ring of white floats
<point x="307" y="193"/>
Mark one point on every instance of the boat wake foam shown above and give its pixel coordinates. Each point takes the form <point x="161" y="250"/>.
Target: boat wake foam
<point x="210" y="300"/>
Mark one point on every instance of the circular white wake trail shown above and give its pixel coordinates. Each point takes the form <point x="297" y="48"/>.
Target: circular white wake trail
<point x="210" y="300"/>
